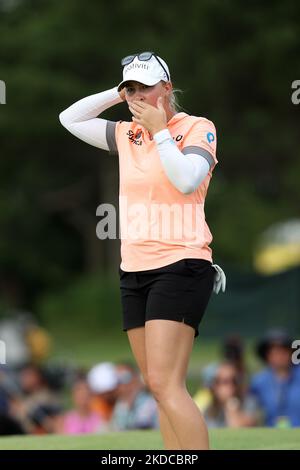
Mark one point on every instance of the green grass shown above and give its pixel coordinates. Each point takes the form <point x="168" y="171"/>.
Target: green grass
<point x="221" y="439"/>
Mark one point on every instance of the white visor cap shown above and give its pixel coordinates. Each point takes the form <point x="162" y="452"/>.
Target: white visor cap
<point x="149" y="72"/>
<point x="103" y="377"/>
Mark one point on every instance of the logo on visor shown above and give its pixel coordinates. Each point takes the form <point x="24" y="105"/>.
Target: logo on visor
<point x="135" y="65"/>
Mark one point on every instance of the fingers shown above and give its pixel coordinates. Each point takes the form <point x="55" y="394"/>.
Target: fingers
<point x="223" y="282"/>
<point x="219" y="280"/>
<point x="138" y="106"/>
<point x="134" y="111"/>
<point x="137" y="120"/>
<point x="216" y="287"/>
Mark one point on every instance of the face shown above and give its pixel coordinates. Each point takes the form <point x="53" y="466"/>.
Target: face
<point x="279" y="357"/>
<point x="30" y="379"/>
<point x="148" y="94"/>
<point x="109" y="397"/>
<point x="129" y="380"/>
<point x="81" y="394"/>
<point x="225" y="383"/>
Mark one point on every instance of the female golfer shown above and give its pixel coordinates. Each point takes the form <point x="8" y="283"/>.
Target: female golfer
<point x="166" y="159"/>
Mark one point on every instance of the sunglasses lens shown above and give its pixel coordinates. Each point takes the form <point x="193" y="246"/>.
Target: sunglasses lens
<point x="145" y="55"/>
<point x="126" y="60"/>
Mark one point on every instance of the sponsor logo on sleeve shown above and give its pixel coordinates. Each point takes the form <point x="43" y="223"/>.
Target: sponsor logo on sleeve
<point x="210" y="137"/>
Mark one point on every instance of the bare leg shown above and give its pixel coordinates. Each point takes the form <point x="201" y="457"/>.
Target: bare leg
<point x="170" y="439"/>
<point x="136" y="338"/>
<point x="168" y="348"/>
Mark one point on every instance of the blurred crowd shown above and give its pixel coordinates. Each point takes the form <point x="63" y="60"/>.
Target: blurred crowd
<point x="232" y="397"/>
<point x="39" y="398"/>
<point x="109" y="397"/>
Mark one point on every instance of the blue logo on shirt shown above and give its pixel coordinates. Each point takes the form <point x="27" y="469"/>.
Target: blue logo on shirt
<point x="210" y="137"/>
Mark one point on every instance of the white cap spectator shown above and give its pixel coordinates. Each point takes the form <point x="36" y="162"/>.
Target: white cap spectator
<point x="103" y="378"/>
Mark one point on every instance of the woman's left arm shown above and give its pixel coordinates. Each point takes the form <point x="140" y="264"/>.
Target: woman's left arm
<point x="186" y="172"/>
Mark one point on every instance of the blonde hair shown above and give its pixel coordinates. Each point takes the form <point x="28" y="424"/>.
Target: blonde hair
<point x="174" y="100"/>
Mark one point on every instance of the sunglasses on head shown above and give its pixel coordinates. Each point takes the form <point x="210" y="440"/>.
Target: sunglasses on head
<point x="143" y="56"/>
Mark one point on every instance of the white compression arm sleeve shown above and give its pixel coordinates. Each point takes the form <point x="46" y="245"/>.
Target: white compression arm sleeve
<point x="81" y="117"/>
<point x="185" y="172"/>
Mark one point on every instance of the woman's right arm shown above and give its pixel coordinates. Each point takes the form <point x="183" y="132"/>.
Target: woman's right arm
<point x="82" y="121"/>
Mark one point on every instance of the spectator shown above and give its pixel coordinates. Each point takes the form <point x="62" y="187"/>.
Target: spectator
<point x="82" y="419"/>
<point x="230" y="405"/>
<point x="103" y="382"/>
<point x="277" y="387"/>
<point x="232" y="351"/>
<point x="8" y="425"/>
<point x="44" y="418"/>
<point x="135" y="407"/>
<point x="25" y="340"/>
<point x="34" y="401"/>
<point x="203" y="396"/>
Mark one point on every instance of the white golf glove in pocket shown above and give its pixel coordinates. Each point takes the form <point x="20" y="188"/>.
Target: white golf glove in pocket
<point x="220" y="279"/>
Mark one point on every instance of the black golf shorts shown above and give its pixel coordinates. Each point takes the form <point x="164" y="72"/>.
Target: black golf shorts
<point x="179" y="291"/>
